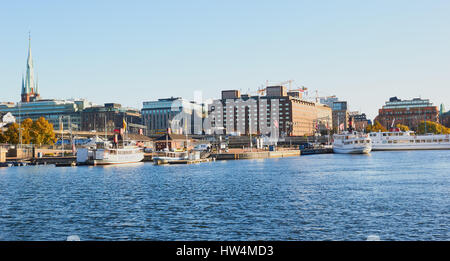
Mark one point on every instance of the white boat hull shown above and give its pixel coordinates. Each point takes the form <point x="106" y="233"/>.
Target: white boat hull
<point x="99" y="157"/>
<point x="113" y="159"/>
<point x="352" y="150"/>
<point x="379" y="147"/>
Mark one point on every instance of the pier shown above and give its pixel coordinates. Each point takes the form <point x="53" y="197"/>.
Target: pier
<point x="236" y="154"/>
<point x="317" y="151"/>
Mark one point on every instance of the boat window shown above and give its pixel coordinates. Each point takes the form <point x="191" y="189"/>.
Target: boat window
<point x="390" y="141"/>
<point x="384" y="134"/>
<point x="446" y="140"/>
<point x="417" y="141"/>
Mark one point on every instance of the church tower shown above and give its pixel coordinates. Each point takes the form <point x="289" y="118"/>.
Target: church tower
<point x="29" y="86"/>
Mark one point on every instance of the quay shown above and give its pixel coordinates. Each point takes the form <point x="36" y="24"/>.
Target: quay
<point x="57" y="161"/>
<point x="193" y="161"/>
<point x="236" y="154"/>
<point x="317" y="151"/>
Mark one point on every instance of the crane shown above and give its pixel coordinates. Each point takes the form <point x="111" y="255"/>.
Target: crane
<point x="263" y="88"/>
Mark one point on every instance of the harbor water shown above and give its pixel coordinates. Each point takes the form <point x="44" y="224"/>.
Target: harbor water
<point x="388" y="195"/>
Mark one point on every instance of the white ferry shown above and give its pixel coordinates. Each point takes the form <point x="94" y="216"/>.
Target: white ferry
<point x="407" y="140"/>
<point x="351" y="142"/>
<point x="104" y="153"/>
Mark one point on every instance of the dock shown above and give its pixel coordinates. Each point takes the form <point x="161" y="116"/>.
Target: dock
<point x="317" y="151"/>
<point x="193" y="161"/>
<point x="255" y="155"/>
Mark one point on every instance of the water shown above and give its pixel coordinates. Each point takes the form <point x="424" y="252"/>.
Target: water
<point x="390" y="195"/>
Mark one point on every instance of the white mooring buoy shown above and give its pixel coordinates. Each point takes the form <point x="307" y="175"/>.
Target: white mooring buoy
<point x="373" y="238"/>
<point x="73" y="238"/>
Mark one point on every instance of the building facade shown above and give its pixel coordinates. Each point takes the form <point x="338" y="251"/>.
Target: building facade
<point x="275" y="113"/>
<point x="407" y="112"/>
<point x="159" y="116"/>
<point x="110" y="117"/>
<point x="358" y="121"/>
<point x="340" y="116"/>
<point x="445" y="119"/>
<point x="63" y="114"/>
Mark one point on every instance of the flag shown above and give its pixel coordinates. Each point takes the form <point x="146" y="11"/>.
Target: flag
<point x="124" y="124"/>
<point x="341" y="126"/>
<point x="74" y="149"/>
<point x="275" y="123"/>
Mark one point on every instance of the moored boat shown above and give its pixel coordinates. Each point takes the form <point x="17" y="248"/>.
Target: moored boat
<point x="407" y="140"/>
<point x="351" y="143"/>
<point x="105" y="153"/>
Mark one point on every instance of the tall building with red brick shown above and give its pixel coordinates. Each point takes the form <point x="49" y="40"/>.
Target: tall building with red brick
<point x="407" y="112"/>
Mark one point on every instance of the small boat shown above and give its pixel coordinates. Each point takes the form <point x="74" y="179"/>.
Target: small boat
<point x="407" y="140"/>
<point x="166" y="157"/>
<point x="351" y="143"/>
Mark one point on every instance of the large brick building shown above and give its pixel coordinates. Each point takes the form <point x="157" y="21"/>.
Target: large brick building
<point x="407" y="112"/>
<point x="278" y="110"/>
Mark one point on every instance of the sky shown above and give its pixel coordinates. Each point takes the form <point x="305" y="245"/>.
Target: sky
<point x="133" y="51"/>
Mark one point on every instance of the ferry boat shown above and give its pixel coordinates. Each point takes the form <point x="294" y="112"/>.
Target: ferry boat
<point x="351" y="142"/>
<point x="105" y="153"/>
<point x="407" y="140"/>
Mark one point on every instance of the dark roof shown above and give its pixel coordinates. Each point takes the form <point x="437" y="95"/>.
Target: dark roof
<point x="172" y="137"/>
<point x="137" y="137"/>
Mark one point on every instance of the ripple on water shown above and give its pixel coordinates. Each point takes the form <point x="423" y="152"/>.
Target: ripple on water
<point x="390" y="195"/>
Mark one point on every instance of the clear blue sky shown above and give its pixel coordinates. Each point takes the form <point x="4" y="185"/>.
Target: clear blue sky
<point x="132" y="51"/>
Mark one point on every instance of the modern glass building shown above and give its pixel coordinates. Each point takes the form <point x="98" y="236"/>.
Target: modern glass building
<point x="60" y="113"/>
<point x="158" y="116"/>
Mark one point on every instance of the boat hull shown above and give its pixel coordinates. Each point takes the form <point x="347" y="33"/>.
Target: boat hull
<point x="381" y="147"/>
<point x="352" y="150"/>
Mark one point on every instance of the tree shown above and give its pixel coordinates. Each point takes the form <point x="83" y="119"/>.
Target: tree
<point x="2" y="137"/>
<point x="375" y="127"/>
<point x="402" y="127"/>
<point x="432" y="127"/>
<point x="26" y="130"/>
<point x="42" y="132"/>
<point x="11" y="135"/>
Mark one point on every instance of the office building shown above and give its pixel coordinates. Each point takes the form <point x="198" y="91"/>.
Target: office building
<point x="159" y="116"/>
<point x="407" y="112"/>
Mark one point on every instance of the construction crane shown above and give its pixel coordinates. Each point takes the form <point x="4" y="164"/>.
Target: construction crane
<point x="261" y="90"/>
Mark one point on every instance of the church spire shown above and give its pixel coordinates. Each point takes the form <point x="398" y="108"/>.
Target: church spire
<point x="29" y="86"/>
<point x="29" y="80"/>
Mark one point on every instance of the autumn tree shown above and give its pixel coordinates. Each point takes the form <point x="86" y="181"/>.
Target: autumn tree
<point x="432" y="127"/>
<point x="402" y="127"/>
<point x="37" y="132"/>
<point x="42" y="132"/>
<point x="26" y="131"/>
<point x="375" y="127"/>
<point x="11" y="135"/>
